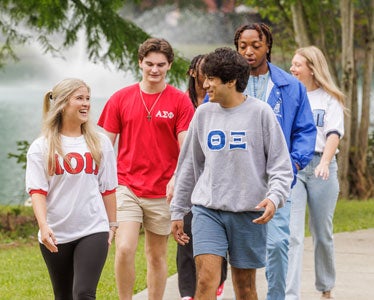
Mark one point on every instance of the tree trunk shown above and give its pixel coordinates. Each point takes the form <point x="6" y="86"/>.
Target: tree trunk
<point x="331" y="59"/>
<point x="347" y="23"/>
<point x="299" y="24"/>
<point x="354" y="112"/>
<point x="366" y="185"/>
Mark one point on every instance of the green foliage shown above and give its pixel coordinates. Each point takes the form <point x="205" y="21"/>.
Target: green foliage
<point x="17" y="224"/>
<point x="109" y="37"/>
<point x="322" y="20"/>
<point x="22" y="147"/>
<point x="278" y="15"/>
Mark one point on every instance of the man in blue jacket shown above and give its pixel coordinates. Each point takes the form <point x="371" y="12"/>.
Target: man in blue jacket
<point x="288" y="98"/>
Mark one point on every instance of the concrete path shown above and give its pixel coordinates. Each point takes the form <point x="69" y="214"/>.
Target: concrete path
<point x="354" y="255"/>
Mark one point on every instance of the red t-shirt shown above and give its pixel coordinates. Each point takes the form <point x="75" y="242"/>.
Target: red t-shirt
<point x="147" y="149"/>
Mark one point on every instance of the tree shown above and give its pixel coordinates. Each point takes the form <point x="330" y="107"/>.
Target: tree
<point x="365" y="181"/>
<point x="347" y="13"/>
<point x="300" y="26"/>
<point x="56" y="24"/>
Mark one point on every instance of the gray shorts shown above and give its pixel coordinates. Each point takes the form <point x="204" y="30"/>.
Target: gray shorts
<point x="222" y="232"/>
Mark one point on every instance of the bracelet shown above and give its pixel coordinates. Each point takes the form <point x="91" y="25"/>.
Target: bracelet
<point x="113" y="224"/>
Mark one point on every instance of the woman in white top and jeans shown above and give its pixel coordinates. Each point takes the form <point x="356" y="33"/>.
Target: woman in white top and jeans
<point x="317" y="185"/>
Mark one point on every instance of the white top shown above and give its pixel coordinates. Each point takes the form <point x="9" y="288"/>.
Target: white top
<point x="75" y="207"/>
<point x="328" y="116"/>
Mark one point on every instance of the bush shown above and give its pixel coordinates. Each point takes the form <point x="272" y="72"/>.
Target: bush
<point x="17" y="223"/>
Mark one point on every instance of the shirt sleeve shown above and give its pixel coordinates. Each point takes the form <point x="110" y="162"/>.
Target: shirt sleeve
<point x="304" y="132"/>
<point x="185" y="114"/>
<point x="110" y="118"/>
<point x="108" y="167"/>
<point x="36" y="177"/>
<point x="278" y="168"/>
<point x="187" y="173"/>
<point x="334" y="118"/>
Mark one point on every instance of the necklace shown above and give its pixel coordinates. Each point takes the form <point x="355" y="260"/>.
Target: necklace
<point x="149" y="117"/>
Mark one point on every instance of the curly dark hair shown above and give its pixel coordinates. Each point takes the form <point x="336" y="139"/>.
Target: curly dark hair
<point x="227" y="64"/>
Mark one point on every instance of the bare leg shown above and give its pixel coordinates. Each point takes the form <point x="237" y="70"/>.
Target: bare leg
<point x="157" y="271"/>
<point x="244" y="282"/>
<point x="208" y="267"/>
<point x="126" y="243"/>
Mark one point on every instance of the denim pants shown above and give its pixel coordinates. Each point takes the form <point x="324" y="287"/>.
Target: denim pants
<point x="277" y="252"/>
<point x="321" y="196"/>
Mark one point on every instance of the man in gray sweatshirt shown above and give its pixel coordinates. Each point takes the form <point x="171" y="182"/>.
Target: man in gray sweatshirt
<point x="234" y="171"/>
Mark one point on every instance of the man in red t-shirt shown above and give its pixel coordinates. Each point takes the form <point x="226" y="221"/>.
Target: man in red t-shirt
<point x="151" y="119"/>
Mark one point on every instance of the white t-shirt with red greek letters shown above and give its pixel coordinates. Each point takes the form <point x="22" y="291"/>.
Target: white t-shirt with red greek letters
<point x="75" y="206"/>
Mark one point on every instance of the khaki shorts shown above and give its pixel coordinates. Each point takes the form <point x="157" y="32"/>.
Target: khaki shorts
<point x="154" y="214"/>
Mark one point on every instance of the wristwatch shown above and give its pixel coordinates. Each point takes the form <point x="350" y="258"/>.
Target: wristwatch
<point x="113" y="224"/>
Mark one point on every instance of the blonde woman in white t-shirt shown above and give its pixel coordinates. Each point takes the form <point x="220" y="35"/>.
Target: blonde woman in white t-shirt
<point x="317" y="185"/>
<point x="71" y="177"/>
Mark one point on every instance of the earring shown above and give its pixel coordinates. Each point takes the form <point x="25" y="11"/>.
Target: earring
<point x="312" y="74"/>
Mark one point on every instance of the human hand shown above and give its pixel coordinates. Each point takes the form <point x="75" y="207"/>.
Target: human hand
<point x="170" y="189"/>
<point x="48" y="238"/>
<point x="179" y="236"/>
<point x="322" y="170"/>
<point x="268" y="213"/>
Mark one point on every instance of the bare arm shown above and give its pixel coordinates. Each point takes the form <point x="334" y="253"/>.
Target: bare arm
<point x="112" y="136"/>
<point x="170" y="185"/>
<point x="110" y="207"/>
<point x="332" y="143"/>
<point x="39" y="206"/>
<point x="181" y="137"/>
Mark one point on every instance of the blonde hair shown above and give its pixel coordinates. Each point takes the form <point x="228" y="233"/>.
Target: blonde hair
<point x="317" y="63"/>
<point x="53" y="106"/>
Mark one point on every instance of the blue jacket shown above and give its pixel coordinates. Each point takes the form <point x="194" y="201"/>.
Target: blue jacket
<point x="289" y="101"/>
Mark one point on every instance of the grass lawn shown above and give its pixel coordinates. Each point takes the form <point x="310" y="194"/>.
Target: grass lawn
<point x="23" y="274"/>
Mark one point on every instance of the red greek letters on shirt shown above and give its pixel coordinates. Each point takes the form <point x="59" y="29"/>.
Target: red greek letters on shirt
<point x="75" y="163"/>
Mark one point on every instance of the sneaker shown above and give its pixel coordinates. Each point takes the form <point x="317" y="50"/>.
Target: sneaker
<point x="187" y="298"/>
<point x="327" y="295"/>
<point x="220" y="291"/>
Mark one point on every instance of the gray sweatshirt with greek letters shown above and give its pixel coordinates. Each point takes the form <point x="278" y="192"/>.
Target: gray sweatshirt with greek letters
<point x="232" y="159"/>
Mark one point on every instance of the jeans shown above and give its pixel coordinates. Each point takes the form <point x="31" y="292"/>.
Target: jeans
<point x="321" y="196"/>
<point x="277" y="252"/>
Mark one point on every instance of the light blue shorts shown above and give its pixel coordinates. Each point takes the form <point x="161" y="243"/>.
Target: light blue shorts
<point x="222" y="232"/>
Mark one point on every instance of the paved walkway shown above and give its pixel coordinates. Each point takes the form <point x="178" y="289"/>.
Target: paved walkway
<point x="354" y="255"/>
